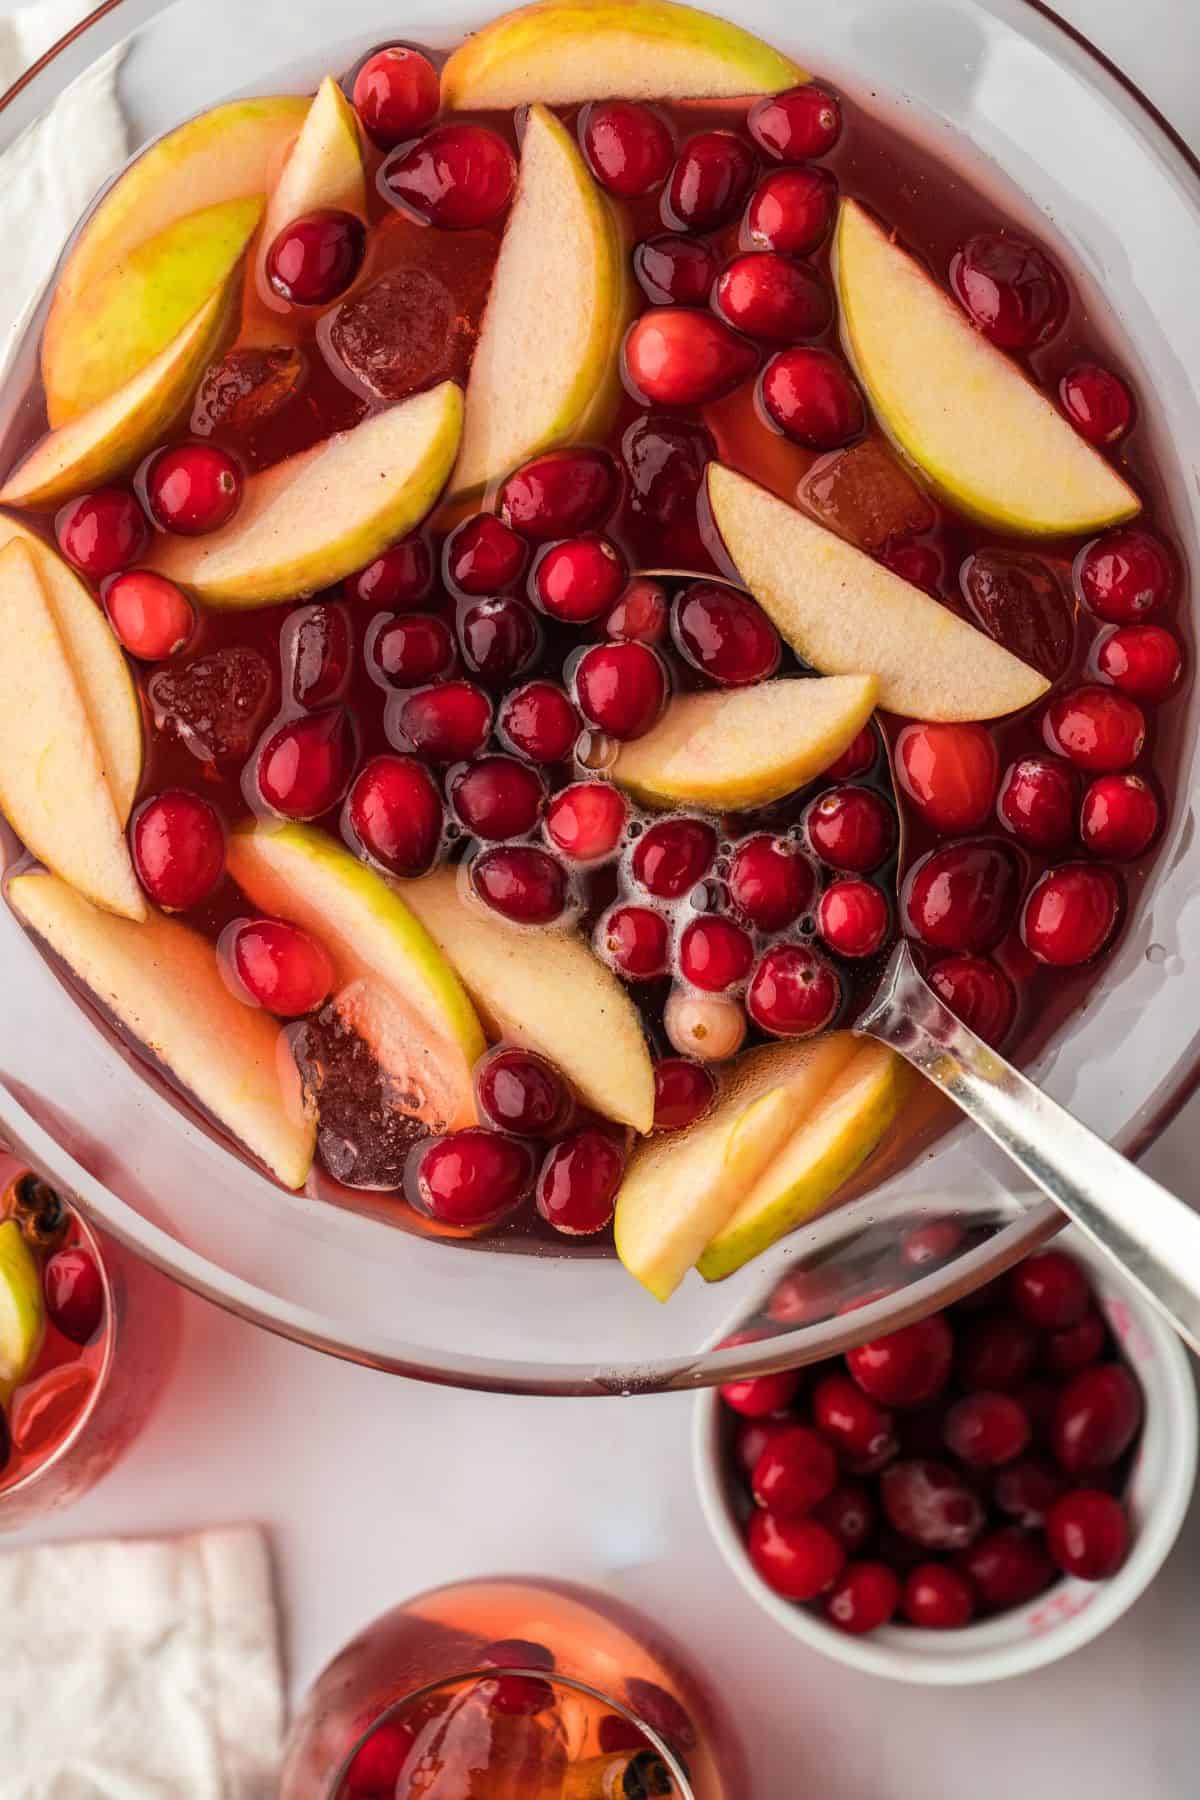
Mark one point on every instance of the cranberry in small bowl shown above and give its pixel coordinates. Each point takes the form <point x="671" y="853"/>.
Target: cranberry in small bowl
<point x="962" y="1535"/>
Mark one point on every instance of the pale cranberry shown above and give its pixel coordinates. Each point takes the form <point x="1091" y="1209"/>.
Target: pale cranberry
<point x="395" y="812"/>
<point x="456" y="176"/>
<point x="636" y="941"/>
<point x="793" y="126"/>
<point x="1097" y="402"/>
<point x="671" y="857"/>
<point x="641" y="613"/>
<point x="710" y="180"/>
<point x="928" y="1246"/>
<point x="949" y="773"/>
<point x="677" y="356"/>
<point x="711" y="1027"/>
<point x="978" y="993"/>
<point x="937" y="1598"/>
<point x="907" y="1367"/>
<point x="984" y="1429"/>
<point x="1087" y="1534"/>
<point x="795" y="1472"/>
<point x="101" y="532"/>
<point x="770" y="297"/>
<point x="517" y="1696"/>
<point x="586" y="820"/>
<point x="1124" y="575"/>
<point x="919" y="564"/>
<point x="851" y="828"/>
<point x="792" y="210"/>
<point x="539" y="721"/>
<point x="997" y="1352"/>
<point x="497" y="797"/>
<point x="559" y="494"/>
<point x="396" y="94"/>
<point x="304" y="767"/>
<point x="483" y="556"/>
<point x="850" y="1419"/>
<point x="849" y="1513"/>
<point x="1007" y="1568"/>
<point x="316" y="650"/>
<point x="286" y="970"/>
<point x="811" y="397"/>
<point x="578" y="579"/>
<point x="149" y="614"/>
<point x="1037" y="802"/>
<point x="853" y="917"/>
<point x="377" y="1764"/>
<point x="715" y="954"/>
<point x="864" y="1597"/>
<point x="1026" y="1490"/>
<point x="520" y="1092"/>
<point x="412" y="650"/>
<point x="446" y="723"/>
<point x="858" y="756"/>
<point x="1074" y="1348"/>
<point x="74" y="1292"/>
<point x="1144" y="661"/>
<point x="724" y="634"/>
<point x="1119" y="818"/>
<point x="1011" y="289"/>
<point x="628" y="147"/>
<point x="797" y="1558"/>
<point x="1050" y="1289"/>
<point x="1097" y="1418"/>
<point x="194" y="489"/>
<point x="931" y="1504"/>
<point x="400" y="580"/>
<point x="770" y="881"/>
<point x="316" y="257"/>
<point x="793" y="991"/>
<point x="470" y="1178"/>
<point x="522" y="883"/>
<point x="758" y="1396"/>
<point x="577" y="1186"/>
<point x="621" y="688"/>
<point x="1070" y="914"/>
<point x="683" y="1092"/>
<point x="963" y="897"/>
<point x="178" y="849"/>
<point x="675" y="271"/>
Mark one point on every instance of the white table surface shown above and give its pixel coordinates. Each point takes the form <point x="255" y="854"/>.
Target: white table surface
<point x="374" y="1488"/>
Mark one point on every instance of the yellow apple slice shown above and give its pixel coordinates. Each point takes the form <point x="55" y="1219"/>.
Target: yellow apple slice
<point x="113" y="435"/>
<point x="545" y="991"/>
<point x="680" y="1188"/>
<point x="324" y="168"/>
<point x="22" y="1308"/>
<point x="52" y="786"/>
<point x="546" y="354"/>
<point x="842" y="611"/>
<point x="308" y="521"/>
<point x="102" y="674"/>
<point x="565" y="51"/>
<point x="160" y="981"/>
<point x="836" y="1138"/>
<point x="970" y="420"/>
<point x="745" y="746"/>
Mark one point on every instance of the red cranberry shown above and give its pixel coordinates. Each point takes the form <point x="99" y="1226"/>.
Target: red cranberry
<point x="517" y="1696"/>
<point x="178" y="849"/>
<point x="1070" y="914"/>
<point x="864" y="1597"/>
<point x="1119" y="818"/>
<point x="1124" y="575"/>
<point x="937" y="1598"/>
<point x="1087" y="1534"/>
<point x="1097" y="1418"/>
<point x="520" y="1092"/>
<point x="376" y="1766"/>
<point x="628" y="147"/>
<point x="931" y="1504"/>
<point x="641" y="613"/>
<point x="849" y="1512"/>
<point x="194" y="489"/>
<point x="984" y="1430"/>
<point x="795" y="1472"/>
<point x="74" y="1292"/>
<point x="1050" y="1290"/>
<point x="578" y="579"/>
<point x="1026" y="1490"/>
<point x="794" y="126"/>
<point x="316" y="257"/>
<point x="928" y="1246"/>
<point x="101" y="532"/>
<point x="483" y="556"/>
<point x="470" y="1178"/>
<point x="997" y="1352"/>
<point x="456" y="176"/>
<point x="752" y="1438"/>
<point x="446" y="723"/>
<point x="1011" y="289"/>
<point x="1007" y="1568"/>
<point x="1097" y="402"/>
<point x="793" y="991"/>
<point x="770" y="881"/>
<point x="149" y="614"/>
<point x="304" y="767"/>
<point x="395" y="812"/>
<point x="797" y="1558"/>
<point x="758" y="1396"/>
<point x="677" y="356"/>
<point x="918" y="564"/>
<point x="521" y="882"/>
<point x="1037" y="802"/>
<point x="559" y="494"/>
<point x="811" y="398"/>
<point x="499" y="638"/>
<point x="414" y="649"/>
<point x="497" y="797"/>
<point x="770" y="297"/>
<point x="851" y="828"/>
<point x="577" y="1187"/>
<point x="621" y="688"/>
<point x="396" y="94"/>
<point x="1078" y="1345"/>
<point x="288" y="972"/>
<point x="858" y="756"/>
<point x="586" y="820"/>
<point x="675" y="271"/>
<point x="853" y="917"/>
<point x="1142" y="660"/>
<point x="978" y="993"/>
<point x="683" y="1092"/>
<point x="962" y="897"/>
<point x="850" y="1419"/>
<point x="907" y="1367"/>
<point x="636" y="941"/>
<point x="710" y="180"/>
<point x="400" y="580"/>
<point x="671" y="857"/>
<point x="714" y="954"/>
<point x="792" y="210"/>
<point x="540" y="722"/>
<point x="724" y="634"/>
<point x="949" y="772"/>
<point x="316" y="649"/>
<point x="665" y="459"/>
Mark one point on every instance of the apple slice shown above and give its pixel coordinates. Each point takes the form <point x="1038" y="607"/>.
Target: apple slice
<point x="843" y="1128"/>
<point x="52" y="786"/>
<point x="546" y="357"/>
<point x="545" y="991"/>
<point x="565" y="51"/>
<point x="160" y="981"/>
<point x="681" y="1187"/>
<point x="745" y="746"/>
<point x="842" y="611"/>
<point x="975" y="426"/>
<point x="102" y="674"/>
<point x="308" y="521"/>
<point x="324" y="167"/>
<point x="22" y="1308"/>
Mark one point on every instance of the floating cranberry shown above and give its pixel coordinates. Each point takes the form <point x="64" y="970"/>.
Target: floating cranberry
<point x="628" y="147"/>
<point x="1096" y="728"/>
<point x="929" y="1245"/>
<point x="792" y="210"/>
<point x="1037" y="802"/>
<point x="316" y="257"/>
<point x="1008" y="1568"/>
<point x="984" y="1430"/>
<point x="636" y="941"/>
<point x="101" y="532"/>
<point x="715" y="954"/>
<point x="675" y="271"/>
<point x="74" y="1291"/>
<point x="853" y="917"/>
<point x="377" y="1764"/>
<point x="1124" y="575"/>
<point x="850" y="1419"/>
<point x="811" y="397"/>
<point x="858" y="756"/>
<point x="683" y="1092"/>
<point x="457" y="176"/>
<point x="678" y="356"/>
<point x="497" y="797"/>
<point x="194" y="489"/>
<point x="149" y="614"/>
<point x="316" y="649"/>
<point x="1087" y="1534"/>
<point x="539" y="721"/>
<point x="1011" y="289"/>
<point x="586" y="820"/>
<point x="795" y="1472"/>
<point x="578" y="579"/>
<point x="864" y="1597"/>
<point x="978" y="993"/>
<point x="1074" y="1348"/>
<point x="796" y="125"/>
<point x="1144" y="661"/>
<point x="577" y="1186"/>
<point x="414" y="649"/>
<point x="521" y="882"/>
<point x="560" y="494"/>
<point x="919" y="564"/>
<point x="724" y="634"/>
<point x="520" y="1092"/>
<point x="621" y="688"/>
<point x="287" y="971"/>
<point x="178" y="849"/>
<point x="517" y="1696"/>
<point x="851" y="828"/>
<point x="797" y="1558"/>
<point x="907" y="1367"/>
<point x="305" y="766"/>
<point x="771" y="881"/>
<point x="772" y="298"/>
<point x="471" y="1178"/>
<point x="1018" y="599"/>
<point x="641" y="613"/>
<point x="949" y="773"/>
<point x="997" y="1352"/>
<point x="671" y="857"/>
<point x="849" y="1513"/>
<point x="1050" y="1290"/>
<point x="793" y="991"/>
<point x="963" y="897"/>
<point x="400" y="580"/>
<point x="709" y="1026"/>
<point x="661" y="1711"/>
<point x="483" y="556"/>
<point x="1096" y="1419"/>
<point x="396" y="94"/>
<point x="1070" y="914"/>
<point x="666" y="459"/>
<point x="937" y="1598"/>
<point x="931" y="1503"/>
<point x="500" y="638"/>
<point x="1097" y="402"/>
<point x="395" y="812"/>
<point x="758" y="1396"/>
<point x="1026" y="1490"/>
<point x="711" y="178"/>
<point x="446" y="723"/>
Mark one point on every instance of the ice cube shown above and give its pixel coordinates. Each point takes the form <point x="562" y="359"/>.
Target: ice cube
<point x="866" y="495"/>
<point x="1018" y="599"/>
<point x="247" y="387"/>
<point x="216" y="704"/>
<point x="402" y="333"/>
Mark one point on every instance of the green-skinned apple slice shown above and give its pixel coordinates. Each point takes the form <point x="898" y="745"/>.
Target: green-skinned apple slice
<point x="160" y="981"/>
<point x="971" y="421"/>
<point x="377" y="942"/>
<point x="565" y="51"/>
<point x="681" y="1187"/>
<point x="745" y="746"/>
<point x="844" y="612"/>
<point x="310" y="520"/>
<point x="53" y="790"/>
<point x="546" y="358"/>
<point x="324" y="168"/>
<point x="22" y="1308"/>
<point x="545" y="991"/>
<point x="835" y="1139"/>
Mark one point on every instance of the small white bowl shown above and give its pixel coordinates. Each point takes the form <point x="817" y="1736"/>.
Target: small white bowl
<point x="1070" y="1613"/>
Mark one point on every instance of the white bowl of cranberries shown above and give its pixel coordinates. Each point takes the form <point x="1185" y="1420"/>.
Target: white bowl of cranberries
<point x="970" y="1497"/>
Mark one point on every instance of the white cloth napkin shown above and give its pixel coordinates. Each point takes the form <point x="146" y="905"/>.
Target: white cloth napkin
<point x="140" y="1670"/>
